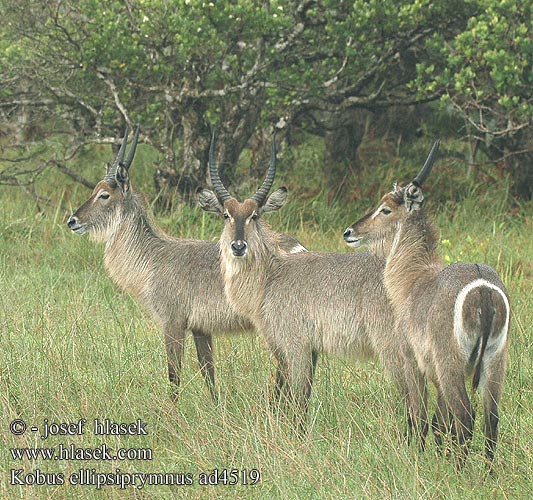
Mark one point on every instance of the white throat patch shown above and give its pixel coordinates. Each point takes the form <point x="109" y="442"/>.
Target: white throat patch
<point x="298" y="248"/>
<point x="395" y="242"/>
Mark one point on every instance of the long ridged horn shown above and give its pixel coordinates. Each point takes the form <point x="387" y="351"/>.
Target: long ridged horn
<point x="428" y="165"/>
<point x="112" y="169"/>
<point x="262" y="192"/>
<point x="221" y="192"/>
<point x="133" y="147"/>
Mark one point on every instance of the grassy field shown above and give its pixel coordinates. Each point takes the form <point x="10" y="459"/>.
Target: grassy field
<point x="73" y="347"/>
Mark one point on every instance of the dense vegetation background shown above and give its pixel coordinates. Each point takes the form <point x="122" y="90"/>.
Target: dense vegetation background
<point x="74" y="73"/>
<point x="356" y="91"/>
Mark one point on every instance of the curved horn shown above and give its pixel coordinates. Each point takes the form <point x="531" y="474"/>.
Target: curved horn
<point x="111" y="169"/>
<point x="262" y="192"/>
<point x="221" y="192"/>
<point x="133" y="147"/>
<point x="428" y="165"/>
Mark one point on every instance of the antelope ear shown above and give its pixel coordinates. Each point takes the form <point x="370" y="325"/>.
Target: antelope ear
<point x="123" y="179"/>
<point x="209" y="201"/>
<point x="412" y="197"/>
<point x="275" y="201"/>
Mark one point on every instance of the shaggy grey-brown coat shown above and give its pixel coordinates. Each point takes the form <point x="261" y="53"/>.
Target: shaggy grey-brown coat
<point x="456" y="318"/>
<point x="308" y="303"/>
<point x="177" y="280"/>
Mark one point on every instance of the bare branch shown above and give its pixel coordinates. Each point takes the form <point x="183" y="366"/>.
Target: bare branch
<point x="74" y="175"/>
<point x="30" y="189"/>
<point x="26" y="102"/>
<point x="335" y="77"/>
<point x="109" y="82"/>
<point x="65" y="91"/>
<point x="509" y="129"/>
<point x="298" y="29"/>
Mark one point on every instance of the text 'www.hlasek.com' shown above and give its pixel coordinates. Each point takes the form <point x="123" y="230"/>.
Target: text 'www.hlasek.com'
<point x="96" y="476"/>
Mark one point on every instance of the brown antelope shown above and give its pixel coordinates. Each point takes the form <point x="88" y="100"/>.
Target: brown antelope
<point x="305" y="303"/>
<point x="456" y="318"/>
<point x="177" y="280"/>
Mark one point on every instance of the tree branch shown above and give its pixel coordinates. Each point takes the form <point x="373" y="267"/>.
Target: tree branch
<point x="74" y="175"/>
<point x="111" y="84"/>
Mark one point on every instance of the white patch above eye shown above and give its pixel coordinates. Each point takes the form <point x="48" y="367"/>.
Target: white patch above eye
<point x="376" y="213"/>
<point x="252" y="217"/>
<point x="99" y="194"/>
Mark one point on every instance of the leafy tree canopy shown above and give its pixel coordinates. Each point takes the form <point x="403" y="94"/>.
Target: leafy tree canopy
<point x="181" y="67"/>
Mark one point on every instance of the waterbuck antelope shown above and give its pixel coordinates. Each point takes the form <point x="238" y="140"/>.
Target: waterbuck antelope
<point x="177" y="280"/>
<point x="305" y="303"/>
<point x="456" y="318"/>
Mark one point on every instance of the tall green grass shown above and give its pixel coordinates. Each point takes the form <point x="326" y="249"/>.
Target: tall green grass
<point x="74" y="346"/>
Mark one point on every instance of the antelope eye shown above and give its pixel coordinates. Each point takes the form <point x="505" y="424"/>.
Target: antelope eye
<point x="386" y="211"/>
<point x="226" y="215"/>
<point x="254" y="216"/>
<point x="104" y="196"/>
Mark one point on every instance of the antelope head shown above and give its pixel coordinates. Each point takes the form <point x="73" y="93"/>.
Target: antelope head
<point x="102" y="212"/>
<point x="394" y="208"/>
<point x="242" y="220"/>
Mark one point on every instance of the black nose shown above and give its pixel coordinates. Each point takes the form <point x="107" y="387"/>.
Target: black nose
<point x="238" y="248"/>
<point x="72" y="221"/>
<point x="348" y="233"/>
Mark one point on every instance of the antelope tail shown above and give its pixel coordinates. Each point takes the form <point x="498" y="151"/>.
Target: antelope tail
<point x="487" y="316"/>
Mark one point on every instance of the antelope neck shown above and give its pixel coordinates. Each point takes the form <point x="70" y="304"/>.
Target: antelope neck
<point x="128" y="254"/>
<point x="413" y="256"/>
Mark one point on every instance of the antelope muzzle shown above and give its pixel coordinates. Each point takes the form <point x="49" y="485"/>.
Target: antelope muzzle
<point x="74" y="225"/>
<point x="238" y="248"/>
<point x="351" y="239"/>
